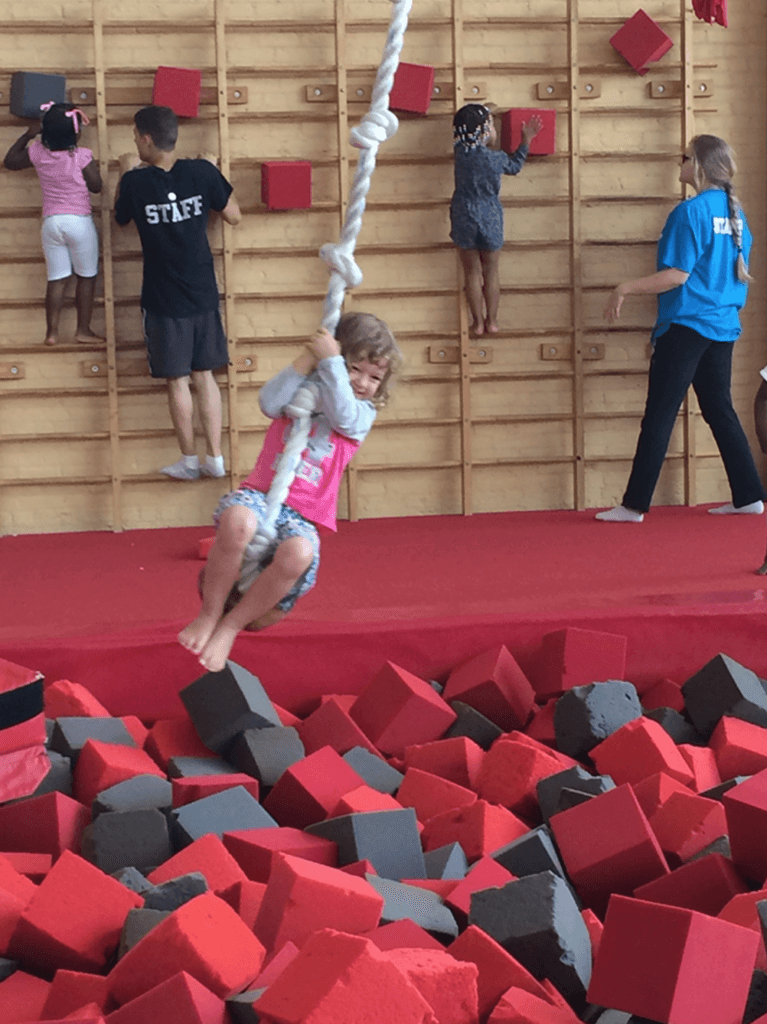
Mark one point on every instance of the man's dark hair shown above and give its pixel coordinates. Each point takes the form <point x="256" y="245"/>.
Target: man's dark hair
<point x="160" y="124"/>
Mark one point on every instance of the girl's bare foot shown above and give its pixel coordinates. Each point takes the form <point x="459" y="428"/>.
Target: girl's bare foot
<point x="196" y="635"/>
<point x="51" y="340"/>
<point x="217" y="650"/>
<point x="491" y="327"/>
<point x="477" y="330"/>
<point x="87" y="336"/>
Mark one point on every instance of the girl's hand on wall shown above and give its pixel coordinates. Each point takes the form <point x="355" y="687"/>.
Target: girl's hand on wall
<point x="531" y="128"/>
<point x="210" y="157"/>
<point x="128" y="161"/>
<point x="613" y="308"/>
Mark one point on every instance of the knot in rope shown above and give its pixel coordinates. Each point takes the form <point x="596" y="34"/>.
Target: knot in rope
<point x="375" y="127"/>
<point x="340" y="259"/>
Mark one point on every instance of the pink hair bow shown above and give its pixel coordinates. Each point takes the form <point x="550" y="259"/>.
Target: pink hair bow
<point x="47" y="106"/>
<point x="75" y="114"/>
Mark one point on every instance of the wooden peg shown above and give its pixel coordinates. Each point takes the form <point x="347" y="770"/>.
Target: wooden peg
<point x="672" y="90"/>
<point x="452" y="354"/>
<point x="245" y="364"/>
<point x="588" y="89"/>
<point x="12" y="371"/>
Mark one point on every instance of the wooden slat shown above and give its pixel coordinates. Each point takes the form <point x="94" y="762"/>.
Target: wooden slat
<point x="576" y="270"/>
<point x="141" y="95"/>
<point x="227" y="230"/>
<point x="106" y="251"/>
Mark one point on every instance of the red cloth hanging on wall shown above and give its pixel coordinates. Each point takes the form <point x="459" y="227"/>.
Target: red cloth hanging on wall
<point x="711" y="11"/>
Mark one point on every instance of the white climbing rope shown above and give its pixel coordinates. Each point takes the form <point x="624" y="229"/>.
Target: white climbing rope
<point x="378" y="125"/>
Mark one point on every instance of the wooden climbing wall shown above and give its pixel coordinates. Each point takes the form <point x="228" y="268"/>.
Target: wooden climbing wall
<point x="543" y="415"/>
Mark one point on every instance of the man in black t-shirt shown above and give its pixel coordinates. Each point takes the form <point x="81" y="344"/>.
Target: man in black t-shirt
<point x="169" y="200"/>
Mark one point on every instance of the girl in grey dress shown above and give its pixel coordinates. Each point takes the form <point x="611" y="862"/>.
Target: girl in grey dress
<point x="476" y="214"/>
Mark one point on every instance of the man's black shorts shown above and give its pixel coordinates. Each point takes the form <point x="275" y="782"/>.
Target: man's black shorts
<point x="176" y="347"/>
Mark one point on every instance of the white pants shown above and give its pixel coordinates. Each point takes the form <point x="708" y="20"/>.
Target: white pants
<point x="70" y="242"/>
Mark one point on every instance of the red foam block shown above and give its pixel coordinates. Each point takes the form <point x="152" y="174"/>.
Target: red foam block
<point x="209" y="855"/>
<point x="493" y="684"/>
<point x="362" y="800"/>
<point x="256" y="849"/>
<point x="65" y="699"/>
<point x="332" y="726"/>
<point x="448" y="985"/>
<point x="74" y="919"/>
<point x="686" y="824"/>
<point x="607" y="846"/>
<point x="71" y="990"/>
<point x="480" y="828"/>
<point x="197" y="787"/>
<point x="700" y="966"/>
<point x="740" y="748"/>
<point x="204" y="937"/>
<point x="302" y="897"/>
<point x="101" y="765"/>
<point x="22" y="997"/>
<point x="576" y="657"/>
<point x="179" y="89"/>
<point x="412" y="88"/>
<point x="706" y="885"/>
<point x="404" y="933"/>
<point x="397" y="710"/>
<point x="308" y="790"/>
<point x="511" y="772"/>
<point x="174" y="737"/>
<point x="746" y="809"/>
<point x="245" y="898"/>
<point x="638" y="749"/>
<point x="286" y="184"/>
<point x="457" y="759"/>
<point x="512" y="122"/>
<point x="49" y="823"/>
<point x="641" y="41"/>
<point x="430" y="795"/>
<point x="180" y="998"/>
<point x="485" y="873"/>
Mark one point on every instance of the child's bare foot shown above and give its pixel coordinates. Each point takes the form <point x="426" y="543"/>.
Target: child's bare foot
<point x="762" y="570"/>
<point x="218" y="648"/>
<point x="196" y="635"/>
<point x="491" y="327"/>
<point x="477" y="330"/>
<point x="51" y="339"/>
<point x="87" y="336"/>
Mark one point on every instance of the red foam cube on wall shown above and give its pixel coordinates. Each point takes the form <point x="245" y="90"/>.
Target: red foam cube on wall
<point x="179" y="89"/>
<point x="641" y="41"/>
<point x="511" y="129"/>
<point x="286" y="184"/>
<point x="412" y="88"/>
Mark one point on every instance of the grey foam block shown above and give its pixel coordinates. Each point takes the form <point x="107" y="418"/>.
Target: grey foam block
<point x="138" y="839"/>
<point x="474" y="725"/>
<point x="446" y="862"/>
<point x="266" y="753"/>
<point x="139" y="793"/>
<point x="378" y="773"/>
<point x="132" y="879"/>
<point x="531" y="854"/>
<point x="59" y="778"/>
<point x="756" y="1003"/>
<point x="409" y="901"/>
<point x="388" y="839"/>
<point x="586" y="715"/>
<point x="191" y="767"/>
<point x="436" y="686"/>
<point x="571" y="798"/>
<point x="602" y="1016"/>
<point x="537" y="921"/>
<point x="7" y="967"/>
<point x="678" y="728"/>
<point x="138" y="923"/>
<point x="70" y="735"/>
<point x="724" y="687"/>
<point x="222" y="704"/>
<point x="30" y="89"/>
<point x="548" y="789"/>
<point x="720" y="845"/>
<point x="717" y="792"/>
<point x="49" y="726"/>
<point x="174" y="893"/>
<point x="240" y="1007"/>
<point x="227" y="811"/>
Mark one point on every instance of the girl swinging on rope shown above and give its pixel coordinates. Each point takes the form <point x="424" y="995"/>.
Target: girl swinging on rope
<point x="352" y="373"/>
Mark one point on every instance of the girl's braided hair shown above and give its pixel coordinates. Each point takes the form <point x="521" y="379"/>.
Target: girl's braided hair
<point x="59" y="131"/>
<point x="714" y="163"/>
<point x="471" y="125"/>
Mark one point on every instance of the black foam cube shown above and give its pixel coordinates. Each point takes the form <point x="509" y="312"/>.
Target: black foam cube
<point x="537" y="921"/>
<point x="266" y="753"/>
<point x="227" y="811"/>
<point x="724" y="687"/>
<point x="240" y="1007"/>
<point x="586" y="715"/>
<point x="530" y="854"/>
<point x="132" y="879"/>
<point x="7" y="967"/>
<point x="678" y="728"/>
<point x="577" y="778"/>
<point x="138" y="923"/>
<point x="138" y="839"/>
<point x="70" y="735"/>
<point x="472" y="724"/>
<point x="388" y="839"/>
<point x="756" y="1004"/>
<point x="174" y="893"/>
<point x="140" y="793"/>
<point x="446" y="862"/>
<point x="378" y="773"/>
<point x="191" y="767"/>
<point x="419" y="905"/>
<point x="30" y="89"/>
<point x="222" y="704"/>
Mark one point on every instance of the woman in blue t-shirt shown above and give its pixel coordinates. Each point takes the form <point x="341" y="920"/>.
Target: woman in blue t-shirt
<point x="701" y="284"/>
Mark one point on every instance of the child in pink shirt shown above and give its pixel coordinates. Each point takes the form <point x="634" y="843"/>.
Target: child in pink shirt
<point x="67" y="173"/>
<point x="352" y="373"/>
